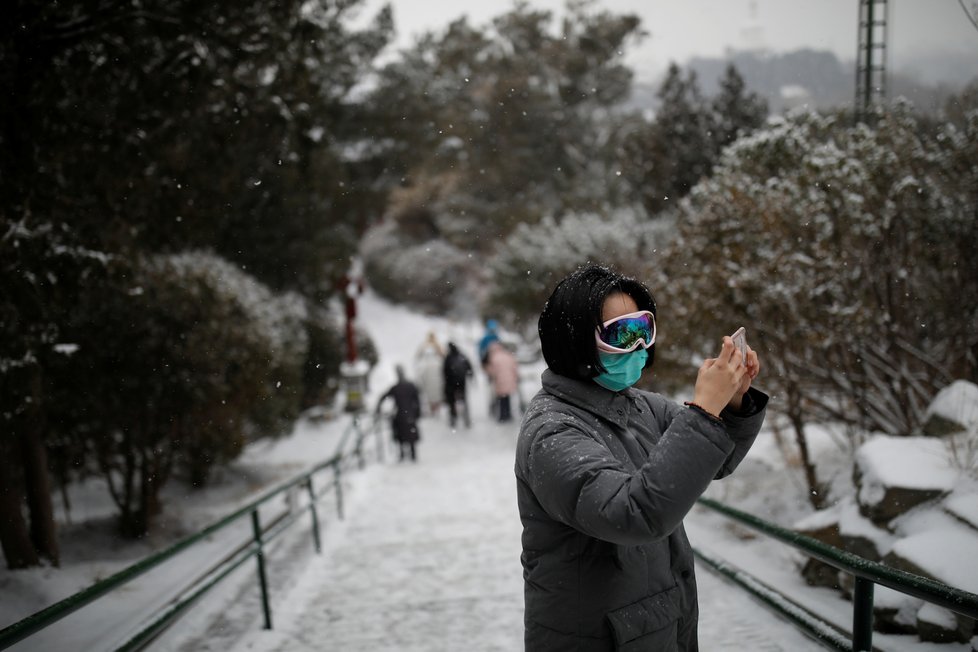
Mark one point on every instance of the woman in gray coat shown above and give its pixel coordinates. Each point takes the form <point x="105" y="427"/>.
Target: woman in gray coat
<point x="606" y="473"/>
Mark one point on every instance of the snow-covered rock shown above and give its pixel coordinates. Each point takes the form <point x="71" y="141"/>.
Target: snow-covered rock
<point x="964" y="507"/>
<point x="943" y="555"/>
<point x="823" y="526"/>
<point x="954" y="409"/>
<point x="938" y="625"/>
<point x="947" y="556"/>
<point x="860" y="536"/>
<point x="895" y="474"/>
<point x="894" y="612"/>
<point x="915" y="510"/>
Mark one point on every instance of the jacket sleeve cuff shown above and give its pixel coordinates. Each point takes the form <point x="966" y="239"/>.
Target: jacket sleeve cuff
<point x="753" y="403"/>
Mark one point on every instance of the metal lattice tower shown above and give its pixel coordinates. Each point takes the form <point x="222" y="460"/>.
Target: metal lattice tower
<point x="871" y="56"/>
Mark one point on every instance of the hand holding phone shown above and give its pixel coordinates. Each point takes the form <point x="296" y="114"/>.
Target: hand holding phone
<point x="740" y="341"/>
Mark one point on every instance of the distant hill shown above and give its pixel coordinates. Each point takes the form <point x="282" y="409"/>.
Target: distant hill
<point x="815" y="78"/>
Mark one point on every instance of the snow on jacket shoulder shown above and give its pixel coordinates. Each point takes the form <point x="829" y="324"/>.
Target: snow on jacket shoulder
<point x="604" y="480"/>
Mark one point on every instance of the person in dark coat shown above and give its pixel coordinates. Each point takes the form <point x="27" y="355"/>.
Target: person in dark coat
<point x="407" y="411"/>
<point x="457" y="370"/>
<point x="606" y="472"/>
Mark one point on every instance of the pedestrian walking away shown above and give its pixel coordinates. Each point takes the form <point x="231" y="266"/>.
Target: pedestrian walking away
<point x="504" y="374"/>
<point x="490" y="335"/>
<point x="606" y="472"/>
<point x="457" y="370"/>
<point x="428" y="368"/>
<point x="407" y="411"/>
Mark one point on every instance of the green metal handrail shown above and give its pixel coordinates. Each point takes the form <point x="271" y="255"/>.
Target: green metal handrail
<point x="253" y="548"/>
<point x="867" y="574"/>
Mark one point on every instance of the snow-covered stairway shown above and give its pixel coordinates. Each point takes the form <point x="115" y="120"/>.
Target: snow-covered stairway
<point x="428" y="560"/>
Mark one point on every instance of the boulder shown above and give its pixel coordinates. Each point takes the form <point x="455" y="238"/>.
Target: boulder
<point x="937" y="554"/>
<point x="894" y="474"/>
<point x="953" y="409"/>
<point x="963" y="505"/>
<point x="933" y="554"/>
<point x="861" y="536"/>
<point x="823" y="525"/>
<point x="841" y="526"/>
<point x="938" y="625"/>
<point x="818" y="573"/>
<point x="894" y="501"/>
<point x="894" y="612"/>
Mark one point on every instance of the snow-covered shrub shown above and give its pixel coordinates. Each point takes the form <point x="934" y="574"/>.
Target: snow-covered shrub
<point x="276" y="320"/>
<point x="179" y="361"/>
<point x="842" y="249"/>
<point x="43" y="265"/>
<point x="429" y="274"/>
<point x="534" y="258"/>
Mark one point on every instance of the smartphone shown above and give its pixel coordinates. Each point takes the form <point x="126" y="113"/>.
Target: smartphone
<point x="740" y="341"/>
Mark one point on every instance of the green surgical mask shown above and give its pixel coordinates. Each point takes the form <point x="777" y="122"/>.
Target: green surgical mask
<point x="621" y="369"/>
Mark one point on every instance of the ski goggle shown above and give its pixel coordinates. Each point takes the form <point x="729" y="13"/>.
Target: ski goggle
<point x="626" y="333"/>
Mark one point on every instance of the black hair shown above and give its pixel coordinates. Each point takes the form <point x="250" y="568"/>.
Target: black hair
<point x="572" y="313"/>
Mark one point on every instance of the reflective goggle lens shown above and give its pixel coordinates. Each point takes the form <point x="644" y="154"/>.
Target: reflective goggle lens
<point x="629" y="331"/>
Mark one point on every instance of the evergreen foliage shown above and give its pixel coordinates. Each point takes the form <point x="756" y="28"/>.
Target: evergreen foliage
<point x="497" y="127"/>
<point x="840" y="248"/>
<point x="134" y="132"/>
<point x="183" y="184"/>
<point x="664" y="158"/>
<point x="531" y="261"/>
<point x="174" y="390"/>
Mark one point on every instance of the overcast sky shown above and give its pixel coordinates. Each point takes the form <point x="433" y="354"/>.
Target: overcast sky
<point x="679" y="29"/>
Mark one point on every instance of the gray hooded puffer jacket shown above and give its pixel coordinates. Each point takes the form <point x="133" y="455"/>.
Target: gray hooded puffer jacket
<point x="604" y="480"/>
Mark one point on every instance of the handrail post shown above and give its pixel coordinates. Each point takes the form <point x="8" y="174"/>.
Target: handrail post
<point x="862" y="615"/>
<point x="260" y="557"/>
<point x="378" y="433"/>
<point x="358" y="451"/>
<point x="338" y="486"/>
<point x="315" y="515"/>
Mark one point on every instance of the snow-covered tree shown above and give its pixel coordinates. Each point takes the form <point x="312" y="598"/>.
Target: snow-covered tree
<point x="736" y="111"/>
<point x="42" y="266"/>
<point x="842" y="251"/>
<point x="530" y="262"/>
<point x="420" y="269"/>
<point x="501" y="125"/>
<point x="136" y="128"/>
<point x="663" y="158"/>
<point x="176" y="363"/>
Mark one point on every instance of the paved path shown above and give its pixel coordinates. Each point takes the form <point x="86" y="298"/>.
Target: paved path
<point x="428" y="560"/>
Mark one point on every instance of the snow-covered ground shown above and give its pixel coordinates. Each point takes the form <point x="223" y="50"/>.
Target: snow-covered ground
<point x="384" y="580"/>
<point x="428" y="561"/>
